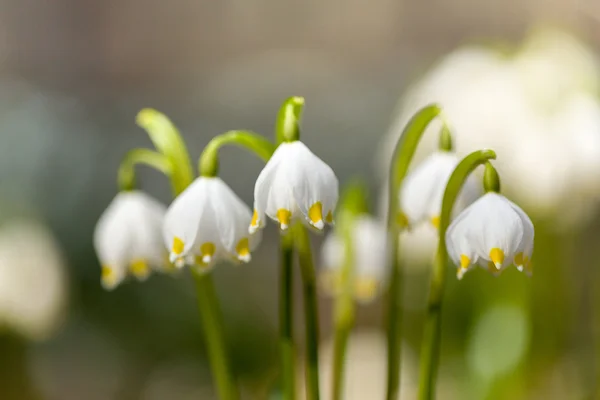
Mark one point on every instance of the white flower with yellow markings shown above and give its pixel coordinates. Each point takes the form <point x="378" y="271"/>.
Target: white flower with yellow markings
<point x="295" y="184"/>
<point x="370" y="254"/>
<point x="423" y="190"/>
<point x="208" y="222"/>
<point x="493" y="233"/>
<point x="128" y="239"/>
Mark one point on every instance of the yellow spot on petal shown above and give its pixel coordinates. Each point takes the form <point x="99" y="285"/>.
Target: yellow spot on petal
<point x="528" y="266"/>
<point x="108" y="276"/>
<point x="254" y="221"/>
<point x="284" y="216"/>
<point x="519" y="259"/>
<point x="207" y="252"/>
<point x="315" y="214"/>
<point x="365" y="289"/>
<point x="329" y="218"/>
<point x="435" y="221"/>
<point x="243" y="250"/>
<point x="178" y="245"/>
<point x="497" y="257"/>
<point x="464" y="261"/>
<point x="139" y="268"/>
<point x="199" y="263"/>
<point x="402" y="220"/>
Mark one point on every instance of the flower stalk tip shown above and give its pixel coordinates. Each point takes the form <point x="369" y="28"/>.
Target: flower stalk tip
<point x="287" y="127"/>
<point x="491" y="179"/>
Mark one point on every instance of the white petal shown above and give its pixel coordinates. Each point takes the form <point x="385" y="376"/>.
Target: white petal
<point x="458" y="242"/>
<point x="263" y="185"/>
<point x="281" y="206"/>
<point x="113" y="233"/>
<point x="526" y="245"/>
<point x="423" y="189"/>
<point x="183" y="217"/>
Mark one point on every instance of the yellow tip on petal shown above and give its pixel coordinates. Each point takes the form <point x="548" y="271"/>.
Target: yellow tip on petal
<point x="207" y="252"/>
<point x="365" y="289"/>
<point x="254" y="220"/>
<point x="139" y="268"/>
<point x="243" y="250"/>
<point x="284" y="216"/>
<point x="178" y="246"/>
<point x="464" y="261"/>
<point x="497" y="257"/>
<point x="519" y="260"/>
<point x="329" y="218"/>
<point x="435" y="221"/>
<point x="402" y="220"/>
<point x="108" y="277"/>
<point x="460" y="272"/>
<point x="315" y="215"/>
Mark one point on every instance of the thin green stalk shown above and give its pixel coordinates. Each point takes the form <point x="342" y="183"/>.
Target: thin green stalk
<point x="311" y="323"/>
<point x="344" y="310"/>
<point x="286" y="317"/>
<point x="151" y="158"/>
<point x="210" y="314"/>
<point x="430" y="351"/>
<point x="403" y="154"/>
<point x="168" y="141"/>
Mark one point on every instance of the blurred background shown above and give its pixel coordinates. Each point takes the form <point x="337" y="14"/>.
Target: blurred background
<point x="519" y="76"/>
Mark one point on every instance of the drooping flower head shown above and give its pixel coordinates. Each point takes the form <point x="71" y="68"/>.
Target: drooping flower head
<point x="208" y="222"/>
<point x="370" y="255"/>
<point x="128" y="239"/>
<point x="294" y="184"/>
<point x="493" y="233"/>
<point x="423" y="190"/>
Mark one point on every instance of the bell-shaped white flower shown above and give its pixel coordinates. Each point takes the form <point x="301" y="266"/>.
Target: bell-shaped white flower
<point x="294" y="184"/>
<point x="423" y="190"/>
<point x="493" y="233"/>
<point x="128" y="238"/>
<point x="208" y="222"/>
<point x="370" y="256"/>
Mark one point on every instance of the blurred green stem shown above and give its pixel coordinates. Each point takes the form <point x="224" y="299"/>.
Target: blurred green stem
<point x="286" y="317"/>
<point x="15" y="374"/>
<point x="430" y="351"/>
<point x="167" y="139"/>
<point x="403" y="155"/>
<point x="126" y="174"/>
<point x="344" y="309"/>
<point x="311" y="323"/>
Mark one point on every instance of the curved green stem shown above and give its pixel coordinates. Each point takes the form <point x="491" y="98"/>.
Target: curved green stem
<point x="126" y="173"/>
<point x="286" y="317"/>
<point x="403" y="155"/>
<point x="167" y="140"/>
<point x="287" y="128"/>
<point x="431" y="337"/>
<point x="311" y="323"/>
<point x="208" y="164"/>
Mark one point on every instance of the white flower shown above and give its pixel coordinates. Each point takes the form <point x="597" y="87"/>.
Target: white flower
<point x="295" y="183"/>
<point x="493" y="233"/>
<point x="33" y="280"/>
<point x="423" y="190"/>
<point x="128" y="239"/>
<point x="370" y="256"/>
<point x="207" y="222"/>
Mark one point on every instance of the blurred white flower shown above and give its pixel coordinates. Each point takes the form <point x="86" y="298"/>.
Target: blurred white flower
<point x="208" y="222"/>
<point x="423" y="190"/>
<point x="128" y="238"/>
<point x="33" y="280"/>
<point x="294" y="184"/>
<point x="493" y="233"/>
<point x="370" y="254"/>
<point x="537" y="108"/>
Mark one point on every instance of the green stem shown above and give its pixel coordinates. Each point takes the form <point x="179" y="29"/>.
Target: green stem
<point x="208" y="164"/>
<point x="213" y="328"/>
<point x="403" y="155"/>
<point x="430" y="350"/>
<point x="168" y="141"/>
<point x="311" y="323"/>
<point x="126" y="173"/>
<point x="286" y="317"/>
<point x="287" y="127"/>
<point x="344" y="306"/>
